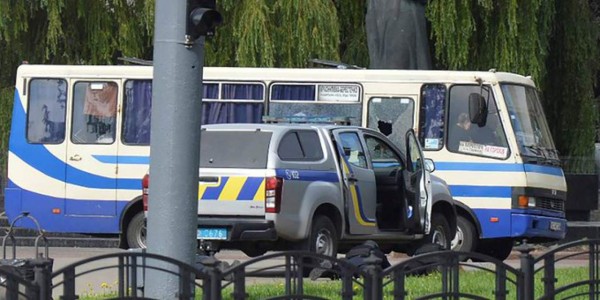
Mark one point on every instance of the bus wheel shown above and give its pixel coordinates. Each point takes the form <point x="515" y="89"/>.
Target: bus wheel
<point x="136" y="231"/>
<point x="465" y="239"/>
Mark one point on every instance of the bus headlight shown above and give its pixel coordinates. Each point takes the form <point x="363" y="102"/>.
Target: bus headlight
<point x="526" y="202"/>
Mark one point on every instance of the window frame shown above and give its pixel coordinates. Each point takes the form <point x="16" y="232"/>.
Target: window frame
<point x="74" y="83"/>
<point x="300" y="143"/>
<point x="448" y="106"/>
<point x="67" y="90"/>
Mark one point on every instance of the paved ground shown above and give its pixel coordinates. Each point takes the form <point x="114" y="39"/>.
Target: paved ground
<point x="103" y="280"/>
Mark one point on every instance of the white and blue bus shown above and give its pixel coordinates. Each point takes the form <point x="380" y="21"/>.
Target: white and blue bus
<point x="80" y="135"/>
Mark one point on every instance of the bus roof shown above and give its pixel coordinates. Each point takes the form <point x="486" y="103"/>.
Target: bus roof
<point x="280" y="74"/>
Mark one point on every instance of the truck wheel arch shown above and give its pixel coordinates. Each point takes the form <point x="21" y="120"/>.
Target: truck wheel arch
<point x="332" y="212"/>
<point x="445" y="208"/>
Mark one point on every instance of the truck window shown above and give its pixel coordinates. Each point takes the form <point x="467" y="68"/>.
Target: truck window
<point x="94" y="112"/>
<point x="353" y="150"/>
<point x="432" y="115"/>
<point x="236" y="149"/>
<point x="46" y="111"/>
<point x="382" y="156"/>
<point x="301" y="145"/>
<point x="465" y="137"/>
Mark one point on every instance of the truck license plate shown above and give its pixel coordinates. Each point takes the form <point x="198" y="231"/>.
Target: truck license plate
<point x="555" y="226"/>
<point x="212" y="233"/>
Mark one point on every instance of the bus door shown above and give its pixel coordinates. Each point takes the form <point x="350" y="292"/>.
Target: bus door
<point x="37" y="148"/>
<point x="393" y="116"/>
<point x="359" y="183"/>
<point x="91" y="177"/>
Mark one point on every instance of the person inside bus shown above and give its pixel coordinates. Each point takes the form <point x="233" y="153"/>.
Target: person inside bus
<point x="461" y="132"/>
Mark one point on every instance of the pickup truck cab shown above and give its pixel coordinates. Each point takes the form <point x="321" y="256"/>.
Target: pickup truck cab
<point x="323" y="188"/>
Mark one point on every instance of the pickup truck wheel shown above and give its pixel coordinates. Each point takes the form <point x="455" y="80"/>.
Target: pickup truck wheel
<point x="323" y="237"/>
<point x="465" y="239"/>
<point x="135" y="235"/>
<point x="440" y="231"/>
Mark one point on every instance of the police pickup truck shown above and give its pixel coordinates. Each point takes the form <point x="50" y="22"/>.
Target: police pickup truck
<point x="317" y="187"/>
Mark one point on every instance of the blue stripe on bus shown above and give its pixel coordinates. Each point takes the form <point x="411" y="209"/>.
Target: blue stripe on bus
<point x="497" y="167"/>
<point x="556" y="171"/>
<point x="39" y="158"/>
<point x="40" y="207"/>
<point x="250" y="188"/>
<point x="123" y="159"/>
<point x="481" y="191"/>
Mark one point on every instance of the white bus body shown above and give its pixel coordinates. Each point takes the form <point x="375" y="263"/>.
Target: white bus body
<point x="80" y="135"/>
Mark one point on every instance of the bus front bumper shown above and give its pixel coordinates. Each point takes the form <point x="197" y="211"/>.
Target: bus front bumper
<point x="538" y="227"/>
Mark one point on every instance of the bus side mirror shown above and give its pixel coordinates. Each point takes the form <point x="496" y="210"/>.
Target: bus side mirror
<point x="478" y="109"/>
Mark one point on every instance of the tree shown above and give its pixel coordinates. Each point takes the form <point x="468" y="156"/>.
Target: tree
<point x="569" y="89"/>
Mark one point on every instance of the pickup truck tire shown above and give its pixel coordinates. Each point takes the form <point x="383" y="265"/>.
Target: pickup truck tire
<point x="323" y="237"/>
<point x="135" y="234"/>
<point x="440" y="232"/>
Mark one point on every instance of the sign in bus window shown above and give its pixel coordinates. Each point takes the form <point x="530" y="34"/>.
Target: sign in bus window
<point x="46" y="111"/>
<point x="339" y="93"/>
<point x="94" y="112"/>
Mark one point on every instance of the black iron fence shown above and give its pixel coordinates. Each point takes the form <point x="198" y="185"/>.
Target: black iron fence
<point x="216" y="280"/>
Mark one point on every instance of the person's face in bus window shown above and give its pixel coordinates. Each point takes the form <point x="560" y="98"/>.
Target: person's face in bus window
<point x="464" y="122"/>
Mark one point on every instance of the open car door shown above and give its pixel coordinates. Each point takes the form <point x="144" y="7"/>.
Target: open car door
<point x="417" y="183"/>
<point x="359" y="182"/>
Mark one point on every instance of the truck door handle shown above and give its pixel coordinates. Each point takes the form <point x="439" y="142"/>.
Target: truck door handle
<point x="351" y="178"/>
<point x="208" y="179"/>
<point x="75" y="157"/>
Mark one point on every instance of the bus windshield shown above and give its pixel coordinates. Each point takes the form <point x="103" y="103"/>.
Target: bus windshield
<point x="529" y="123"/>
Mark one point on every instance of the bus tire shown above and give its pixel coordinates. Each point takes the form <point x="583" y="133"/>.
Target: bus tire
<point x="465" y="239"/>
<point x="135" y="235"/>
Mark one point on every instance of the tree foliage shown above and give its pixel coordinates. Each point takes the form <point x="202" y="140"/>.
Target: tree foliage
<point x="507" y="35"/>
<point x="573" y="64"/>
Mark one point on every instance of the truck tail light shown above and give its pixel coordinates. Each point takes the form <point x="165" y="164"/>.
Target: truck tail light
<point x="145" y="185"/>
<point x="273" y="187"/>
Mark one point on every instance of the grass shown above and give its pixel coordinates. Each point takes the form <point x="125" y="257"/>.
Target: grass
<point x="478" y="283"/>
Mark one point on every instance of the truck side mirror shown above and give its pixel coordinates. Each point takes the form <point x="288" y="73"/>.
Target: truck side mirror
<point x="478" y="109"/>
<point x="429" y="165"/>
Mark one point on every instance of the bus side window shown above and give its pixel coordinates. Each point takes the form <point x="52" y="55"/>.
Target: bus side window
<point x="46" y="111"/>
<point x="94" y="113"/>
<point x="137" y="105"/>
<point x="432" y="116"/>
